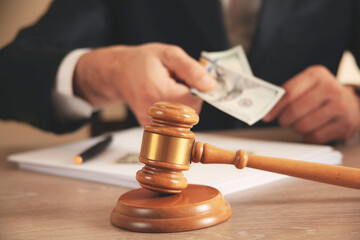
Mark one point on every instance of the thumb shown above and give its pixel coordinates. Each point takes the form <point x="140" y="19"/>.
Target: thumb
<point x="188" y="69"/>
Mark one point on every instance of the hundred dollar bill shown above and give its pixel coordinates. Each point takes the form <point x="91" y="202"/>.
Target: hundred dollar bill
<point x="244" y="97"/>
<point x="234" y="58"/>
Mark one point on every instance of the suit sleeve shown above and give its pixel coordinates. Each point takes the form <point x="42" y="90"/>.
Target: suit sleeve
<point x="28" y="65"/>
<point x="355" y="37"/>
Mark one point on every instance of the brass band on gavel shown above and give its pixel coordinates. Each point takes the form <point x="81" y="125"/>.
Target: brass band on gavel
<point x="158" y="147"/>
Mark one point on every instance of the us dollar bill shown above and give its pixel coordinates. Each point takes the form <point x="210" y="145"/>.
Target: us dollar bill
<point x="240" y="95"/>
<point x="234" y="58"/>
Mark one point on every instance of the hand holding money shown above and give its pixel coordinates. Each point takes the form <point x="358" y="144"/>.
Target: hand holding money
<point x="140" y="75"/>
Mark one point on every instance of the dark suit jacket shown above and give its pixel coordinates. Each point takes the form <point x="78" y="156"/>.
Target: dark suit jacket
<point x="291" y="35"/>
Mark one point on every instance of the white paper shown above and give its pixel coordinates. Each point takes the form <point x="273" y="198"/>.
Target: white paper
<point x="228" y="179"/>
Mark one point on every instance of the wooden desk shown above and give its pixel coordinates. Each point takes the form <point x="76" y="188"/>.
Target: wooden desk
<point x="38" y="206"/>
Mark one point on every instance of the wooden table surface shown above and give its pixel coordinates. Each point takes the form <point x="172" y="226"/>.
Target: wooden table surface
<point x="39" y="206"/>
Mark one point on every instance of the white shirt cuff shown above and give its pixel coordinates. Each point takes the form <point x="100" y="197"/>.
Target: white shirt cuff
<point x="68" y="106"/>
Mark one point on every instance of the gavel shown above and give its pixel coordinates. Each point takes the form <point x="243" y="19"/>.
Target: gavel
<point x="168" y="147"/>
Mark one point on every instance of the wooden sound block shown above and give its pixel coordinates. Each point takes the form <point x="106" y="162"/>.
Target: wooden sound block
<point x="195" y="207"/>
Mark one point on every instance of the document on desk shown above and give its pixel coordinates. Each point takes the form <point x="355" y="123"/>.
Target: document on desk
<point x="118" y="165"/>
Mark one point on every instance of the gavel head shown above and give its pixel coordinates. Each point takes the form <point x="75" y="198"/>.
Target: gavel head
<point x="166" y="147"/>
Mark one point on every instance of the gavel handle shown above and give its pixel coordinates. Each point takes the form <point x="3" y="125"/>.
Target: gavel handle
<point x="336" y="175"/>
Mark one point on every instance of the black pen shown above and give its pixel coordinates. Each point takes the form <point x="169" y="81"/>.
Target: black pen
<point x="92" y="151"/>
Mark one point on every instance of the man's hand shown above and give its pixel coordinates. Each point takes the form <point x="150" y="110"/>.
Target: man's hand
<point x="318" y="107"/>
<point x="140" y="76"/>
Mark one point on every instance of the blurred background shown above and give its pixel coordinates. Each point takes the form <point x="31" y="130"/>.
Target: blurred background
<point x="17" y="14"/>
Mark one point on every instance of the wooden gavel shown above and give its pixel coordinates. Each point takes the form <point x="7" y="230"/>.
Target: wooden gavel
<point x="168" y="147"/>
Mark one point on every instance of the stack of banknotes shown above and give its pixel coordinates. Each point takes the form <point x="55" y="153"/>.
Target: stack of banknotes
<point x="238" y="92"/>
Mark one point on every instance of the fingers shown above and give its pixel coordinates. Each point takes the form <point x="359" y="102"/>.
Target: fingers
<point x="294" y="88"/>
<point x="182" y="94"/>
<point x="332" y="131"/>
<point x="166" y="90"/>
<point x="318" y="107"/>
<point x="338" y="119"/>
<point x="315" y="120"/>
<point x="304" y="105"/>
<point x="324" y="134"/>
<point x="187" y="69"/>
